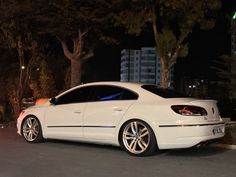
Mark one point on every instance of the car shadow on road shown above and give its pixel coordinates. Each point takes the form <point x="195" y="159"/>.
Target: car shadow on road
<point x="196" y="151"/>
<point x="83" y="144"/>
<point x="191" y="152"/>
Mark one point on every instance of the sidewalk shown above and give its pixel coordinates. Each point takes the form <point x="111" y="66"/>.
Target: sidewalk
<point x="11" y="124"/>
<point x="225" y="146"/>
<point x="230" y="136"/>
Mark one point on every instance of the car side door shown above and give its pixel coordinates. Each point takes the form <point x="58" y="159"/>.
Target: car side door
<point x="64" y="119"/>
<point x="103" y="113"/>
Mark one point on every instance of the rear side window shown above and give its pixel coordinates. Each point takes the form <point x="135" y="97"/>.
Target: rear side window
<point x="110" y="93"/>
<point x="165" y="93"/>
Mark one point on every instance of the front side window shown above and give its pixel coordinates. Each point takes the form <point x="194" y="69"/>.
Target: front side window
<point x="79" y="95"/>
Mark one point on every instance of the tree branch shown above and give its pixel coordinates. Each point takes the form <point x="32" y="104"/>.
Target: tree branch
<point x="66" y="51"/>
<point x="79" y="43"/>
<point x="88" y="55"/>
<point x="177" y="49"/>
<point x="75" y="44"/>
<point x="174" y="57"/>
<point x="154" y="26"/>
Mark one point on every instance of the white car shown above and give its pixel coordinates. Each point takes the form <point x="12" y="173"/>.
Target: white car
<point x="140" y="118"/>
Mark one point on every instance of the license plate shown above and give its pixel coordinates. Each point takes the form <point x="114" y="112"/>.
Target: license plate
<point x="218" y="130"/>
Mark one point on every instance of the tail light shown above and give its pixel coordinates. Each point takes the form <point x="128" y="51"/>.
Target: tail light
<point x="187" y="110"/>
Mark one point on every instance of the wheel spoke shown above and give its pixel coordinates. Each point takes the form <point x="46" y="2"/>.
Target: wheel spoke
<point x="26" y="130"/>
<point x="29" y="123"/>
<point x="30" y="135"/>
<point x="35" y="132"/>
<point x="134" y="127"/>
<point x="128" y="136"/>
<point x="133" y="146"/>
<point x="144" y="132"/>
<point x="142" y="144"/>
<point x="34" y="124"/>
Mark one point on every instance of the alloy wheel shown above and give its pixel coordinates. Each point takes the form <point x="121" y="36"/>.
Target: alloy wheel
<point x="31" y="129"/>
<point x="136" y="137"/>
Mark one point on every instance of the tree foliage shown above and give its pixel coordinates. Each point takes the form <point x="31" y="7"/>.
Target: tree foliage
<point x="225" y="69"/>
<point x="19" y="29"/>
<point x="171" y="22"/>
<point x="79" y="26"/>
<point x="47" y="83"/>
<point x="17" y="33"/>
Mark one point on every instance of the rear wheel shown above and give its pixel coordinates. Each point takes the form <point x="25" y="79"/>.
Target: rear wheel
<point x="31" y="130"/>
<point x="138" y="138"/>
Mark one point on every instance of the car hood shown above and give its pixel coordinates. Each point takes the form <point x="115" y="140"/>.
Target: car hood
<point x="46" y="104"/>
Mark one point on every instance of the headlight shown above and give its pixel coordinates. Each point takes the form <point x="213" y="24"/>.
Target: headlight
<point x="187" y="110"/>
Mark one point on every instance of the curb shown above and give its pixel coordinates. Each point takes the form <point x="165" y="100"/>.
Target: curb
<point x="225" y="146"/>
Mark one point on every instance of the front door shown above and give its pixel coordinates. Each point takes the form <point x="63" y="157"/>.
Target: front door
<point x="64" y="119"/>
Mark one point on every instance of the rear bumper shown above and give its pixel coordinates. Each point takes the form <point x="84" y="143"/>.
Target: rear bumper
<point x="185" y="136"/>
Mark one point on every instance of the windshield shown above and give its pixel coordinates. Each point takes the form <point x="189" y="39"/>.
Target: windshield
<point x="165" y="93"/>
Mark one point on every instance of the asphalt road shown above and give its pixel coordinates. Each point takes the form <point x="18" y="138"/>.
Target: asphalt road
<point x="64" y="159"/>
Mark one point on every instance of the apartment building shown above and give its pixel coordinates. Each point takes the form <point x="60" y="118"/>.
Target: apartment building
<point x="141" y="65"/>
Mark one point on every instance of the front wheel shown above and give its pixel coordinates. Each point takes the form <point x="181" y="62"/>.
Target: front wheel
<point x="31" y="130"/>
<point x="138" y="138"/>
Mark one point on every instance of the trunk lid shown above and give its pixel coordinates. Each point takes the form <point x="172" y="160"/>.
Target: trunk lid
<point x="211" y="108"/>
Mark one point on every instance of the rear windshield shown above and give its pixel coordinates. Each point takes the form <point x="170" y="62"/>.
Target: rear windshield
<point x="165" y="93"/>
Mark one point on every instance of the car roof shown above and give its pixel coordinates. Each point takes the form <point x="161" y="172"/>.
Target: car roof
<point x="115" y="83"/>
<point x="136" y="87"/>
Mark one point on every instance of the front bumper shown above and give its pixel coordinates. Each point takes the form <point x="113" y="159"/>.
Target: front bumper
<point x="18" y="125"/>
<point x="185" y="136"/>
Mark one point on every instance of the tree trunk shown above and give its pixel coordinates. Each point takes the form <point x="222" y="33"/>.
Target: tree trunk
<point x="16" y="102"/>
<point x="164" y="74"/>
<point x="77" y="57"/>
<point x="76" y="72"/>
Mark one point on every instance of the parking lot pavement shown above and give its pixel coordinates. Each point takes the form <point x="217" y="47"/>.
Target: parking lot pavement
<point x="65" y="159"/>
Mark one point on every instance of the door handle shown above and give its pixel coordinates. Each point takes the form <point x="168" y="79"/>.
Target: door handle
<point x="77" y="112"/>
<point x="117" y="108"/>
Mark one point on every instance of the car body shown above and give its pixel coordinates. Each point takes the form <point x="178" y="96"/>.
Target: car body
<point x="141" y="118"/>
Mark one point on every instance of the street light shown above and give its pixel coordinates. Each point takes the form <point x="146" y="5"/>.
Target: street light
<point x="22" y="67"/>
<point x="234" y="16"/>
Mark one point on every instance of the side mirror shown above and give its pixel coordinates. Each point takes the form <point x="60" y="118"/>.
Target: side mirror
<point x="53" y="101"/>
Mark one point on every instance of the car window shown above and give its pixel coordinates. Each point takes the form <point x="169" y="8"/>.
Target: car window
<point x="75" y="96"/>
<point x="165" y="93"/>
<point x="109" y="93"/>
<point x="129" y="95"/>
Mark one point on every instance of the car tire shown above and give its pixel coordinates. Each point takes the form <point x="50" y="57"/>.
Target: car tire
<point x="31" y="130"/>
<point x="137" y="138"/>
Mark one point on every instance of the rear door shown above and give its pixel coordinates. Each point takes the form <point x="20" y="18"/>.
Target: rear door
<point x="102" y="115"/>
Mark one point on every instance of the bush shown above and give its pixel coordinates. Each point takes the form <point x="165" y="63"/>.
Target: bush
<point x="230" y="135"/>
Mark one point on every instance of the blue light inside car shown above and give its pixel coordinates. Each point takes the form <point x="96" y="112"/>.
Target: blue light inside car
<point x="110" y="97"/>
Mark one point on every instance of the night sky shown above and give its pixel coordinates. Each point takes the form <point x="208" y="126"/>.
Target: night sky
<point x="205" y="47"/>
